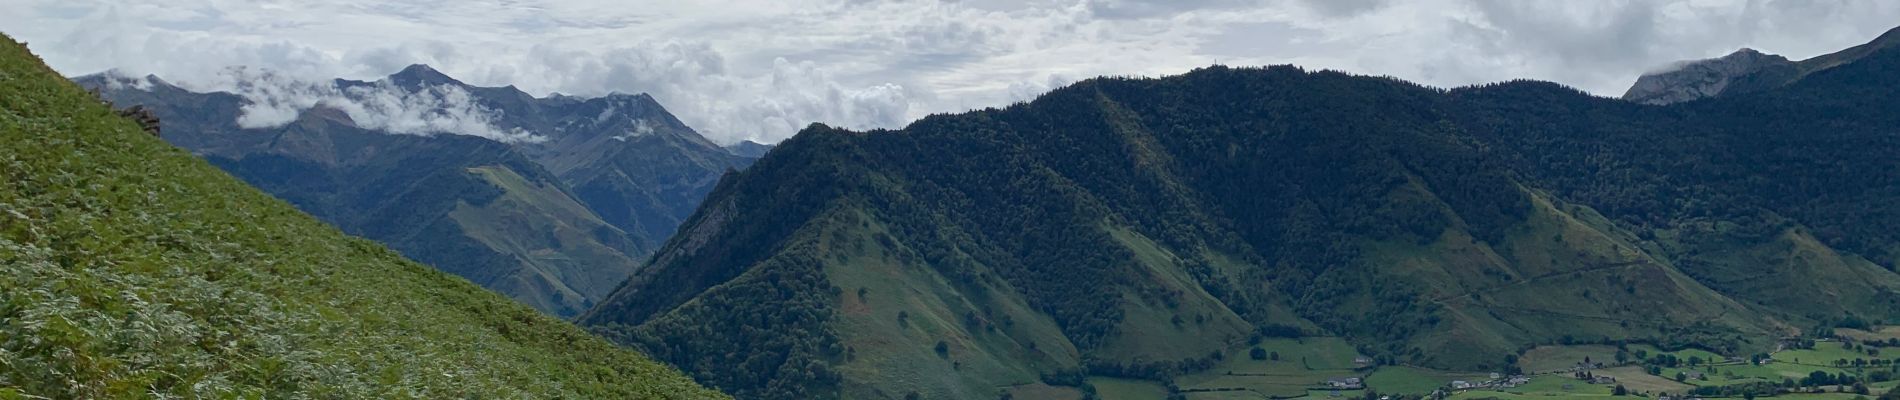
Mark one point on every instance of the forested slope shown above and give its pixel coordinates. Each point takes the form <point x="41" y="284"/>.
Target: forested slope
<point x="1143" y="227"/>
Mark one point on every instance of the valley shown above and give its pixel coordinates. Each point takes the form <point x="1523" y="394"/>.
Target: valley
<point x="1170" y="229"/>
<point x="1138" y="233"/>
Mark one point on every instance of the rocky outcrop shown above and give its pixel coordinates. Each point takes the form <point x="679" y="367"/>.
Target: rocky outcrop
<point x="1743" y="71"/>
<point x="148" y="121"/>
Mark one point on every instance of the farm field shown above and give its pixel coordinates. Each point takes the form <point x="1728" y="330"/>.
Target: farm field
<point x="1127" y="389"/>
<point x="1296" y="368"/>
<point x="1293" y="367"/>
<point x="1412" y="380"/>
<point x="1634" y="378"/>
<point x="1876" y="333"/>
<point x="1825" y="354"/>
<point x="1684" y="354"/>
<point x="1561" y="358"/>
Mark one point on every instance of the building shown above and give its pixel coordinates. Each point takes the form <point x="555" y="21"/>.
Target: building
<point x="1347" y="383"/>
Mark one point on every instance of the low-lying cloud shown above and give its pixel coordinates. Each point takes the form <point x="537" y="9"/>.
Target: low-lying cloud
<point x="273" y="100"/>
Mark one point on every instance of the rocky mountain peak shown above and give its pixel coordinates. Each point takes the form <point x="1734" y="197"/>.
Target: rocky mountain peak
<point x="422" y="74"/>
<point x="1701" y="79"/>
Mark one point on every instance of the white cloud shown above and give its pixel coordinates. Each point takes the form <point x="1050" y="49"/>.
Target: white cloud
<point x="273" y="100"/>
<point x="641" y="128"/>
<point x="761" y="69"/>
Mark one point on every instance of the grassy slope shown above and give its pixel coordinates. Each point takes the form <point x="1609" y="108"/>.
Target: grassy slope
<point x="132" y="269"/>
<point x="983" y="350"/>
<point x="1760" y="270"/>
<point x="1563" y="268"/>
<point x="557" y="237"/>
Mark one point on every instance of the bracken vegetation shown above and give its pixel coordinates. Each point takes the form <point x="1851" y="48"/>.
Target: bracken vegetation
<point x="131" y="269"/>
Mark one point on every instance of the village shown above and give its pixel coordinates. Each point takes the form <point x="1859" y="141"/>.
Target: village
<point x="1324" y="368"/>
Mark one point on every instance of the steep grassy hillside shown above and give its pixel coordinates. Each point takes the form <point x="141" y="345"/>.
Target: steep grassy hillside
<point x="131" y="269"/>
<point x="1154" y="229"/>
<point x="469" y="206"/>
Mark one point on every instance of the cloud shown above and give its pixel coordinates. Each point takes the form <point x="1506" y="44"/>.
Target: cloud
<point x="273" y="100"/>
<point x="641" y="128"/>
<point x="761" y="69"/>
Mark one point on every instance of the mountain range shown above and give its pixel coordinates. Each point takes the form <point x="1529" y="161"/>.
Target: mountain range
<point x="132" y="269"/>
<point x="555" y="210"/>
<point x="1146" y="229"/>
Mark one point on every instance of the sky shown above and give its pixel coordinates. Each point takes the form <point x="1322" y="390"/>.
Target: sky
<point x="762" y="69"/>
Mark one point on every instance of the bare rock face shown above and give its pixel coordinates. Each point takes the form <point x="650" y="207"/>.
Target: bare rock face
<point x="1742" y="71"/>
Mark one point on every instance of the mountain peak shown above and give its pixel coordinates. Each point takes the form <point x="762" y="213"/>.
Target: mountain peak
<point x="422" y="74"/>
<point x="1698" y="79"/>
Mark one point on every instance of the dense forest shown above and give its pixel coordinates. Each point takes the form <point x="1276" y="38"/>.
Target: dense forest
<point x="1141" y="227"/>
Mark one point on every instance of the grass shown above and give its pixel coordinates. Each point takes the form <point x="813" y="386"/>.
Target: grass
<point x="1485" y="394"/>
<point x="1683" y="354"/>
<point x="566" y="267"/>
<point x="1303" y="364"/>
<point x="132" y="269"/>
<point x="1876" y="333"/>
<point x="1560" y="385"/>
<point x="1413" y="380"/>
<point x="1561" y="358"/>
<point x="1127" y="389"/>
<point x="890" y="353"/>
<point x="1823" y="354"/>
<point x="1634" y="378"/>
<point x="1148" y="330"/>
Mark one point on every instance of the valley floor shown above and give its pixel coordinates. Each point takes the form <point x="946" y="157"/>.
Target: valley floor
<point x="1305" y="368"/>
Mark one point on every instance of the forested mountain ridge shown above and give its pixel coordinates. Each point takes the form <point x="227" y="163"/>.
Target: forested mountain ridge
<point x="556" y="222"/>
<point x="1145" y="228"/>
<point x="132" y="269"/>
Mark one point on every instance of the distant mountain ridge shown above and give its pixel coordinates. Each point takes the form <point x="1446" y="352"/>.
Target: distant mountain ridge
<point x="130" y="269"/>
<point x="559" y="205"/>
<point x="749" y="148"/>
<point x="1152" y="229"/>
<point x="1744" y="71"/>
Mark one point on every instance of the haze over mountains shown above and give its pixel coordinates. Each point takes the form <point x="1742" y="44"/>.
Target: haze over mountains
<point x="552" y="200"/>
<point x="1146" y="228"/>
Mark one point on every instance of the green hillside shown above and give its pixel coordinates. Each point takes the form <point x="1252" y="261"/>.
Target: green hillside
<point x="555" y="223"/>
<point x="132" y="269"/>
<point x="1159" y="229"/>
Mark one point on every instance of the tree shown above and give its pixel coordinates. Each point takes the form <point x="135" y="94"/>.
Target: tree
<point x="1620" y="390"/>
<point x="1275" y="356"/>
<point x="1257" y="353"/>
<point x="943" y="349"/>
<point x="1680" y="376"/>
